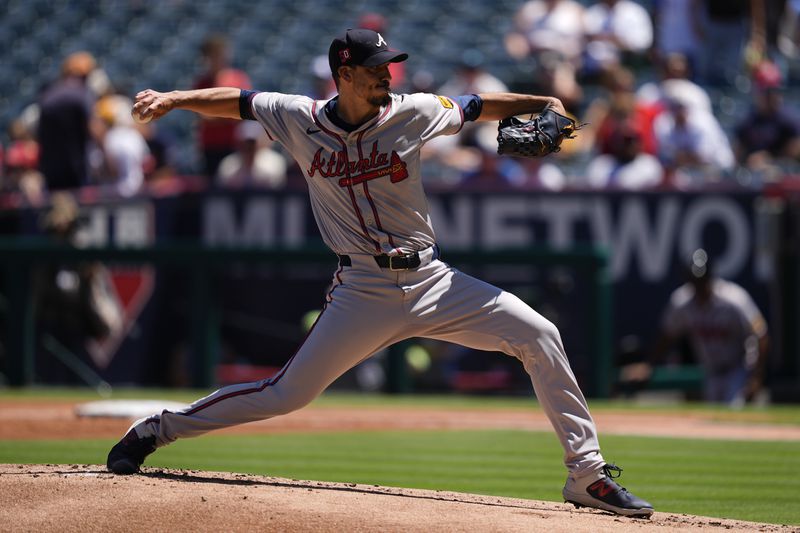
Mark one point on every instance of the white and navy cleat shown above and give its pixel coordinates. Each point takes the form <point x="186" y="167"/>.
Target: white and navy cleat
<point x="602" y="492"/>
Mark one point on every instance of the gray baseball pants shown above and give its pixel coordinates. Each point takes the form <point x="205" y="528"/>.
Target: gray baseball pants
<point x="370" y="308"/>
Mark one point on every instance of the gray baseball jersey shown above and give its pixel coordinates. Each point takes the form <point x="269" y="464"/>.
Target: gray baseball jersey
<point x="365" y="185"/>
<point x="368" y="200"/>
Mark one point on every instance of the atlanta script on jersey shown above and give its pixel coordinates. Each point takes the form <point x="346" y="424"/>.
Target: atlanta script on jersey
<point x="365" y="185"/>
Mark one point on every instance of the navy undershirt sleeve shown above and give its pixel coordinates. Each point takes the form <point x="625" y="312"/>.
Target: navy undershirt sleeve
<point x="471" y="104"/>
<point x="245" y="107"/>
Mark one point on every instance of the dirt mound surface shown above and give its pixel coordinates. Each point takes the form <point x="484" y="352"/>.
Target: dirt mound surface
<point x="86" y="498"/>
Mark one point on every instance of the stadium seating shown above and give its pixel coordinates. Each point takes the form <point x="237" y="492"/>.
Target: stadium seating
<point x="156" y="44"/>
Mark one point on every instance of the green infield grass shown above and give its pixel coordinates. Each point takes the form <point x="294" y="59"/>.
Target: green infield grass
<point x="729" y="479"/>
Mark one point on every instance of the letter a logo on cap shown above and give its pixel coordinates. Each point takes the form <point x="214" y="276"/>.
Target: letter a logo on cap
<point x="381" y="41"/>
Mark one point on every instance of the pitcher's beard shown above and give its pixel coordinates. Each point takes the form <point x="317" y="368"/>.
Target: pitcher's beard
<point x="380" y="100"/>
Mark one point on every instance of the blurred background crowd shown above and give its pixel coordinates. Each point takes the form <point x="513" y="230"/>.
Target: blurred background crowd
<point x="677" y="94"/>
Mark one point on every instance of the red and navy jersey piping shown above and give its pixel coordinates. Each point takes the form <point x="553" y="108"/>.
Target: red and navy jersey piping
<point x="353" y="201"/>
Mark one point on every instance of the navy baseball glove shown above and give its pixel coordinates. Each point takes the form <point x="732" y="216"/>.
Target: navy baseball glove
<point x="537" y="137"/>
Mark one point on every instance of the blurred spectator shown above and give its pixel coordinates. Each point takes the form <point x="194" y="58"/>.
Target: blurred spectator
<point x="616" y="31"/>
<point x="549" y="33"/>
<point x="447" y="159"/>
<point x="770" y="134"/>
<point x="422" y="81"/>
<point x="378" y="23"/>
<point x="322" y="86"/>
<point x="21" y="172"/>
<point x="773" y="32"/>
<point x="26" y="125"/>
<point x="64" y="124"/>
<point x="692" y="145"/>
<point x="627" y="165"/>
<point x="678" y="30"/>
<point x="675" y="84"/>
<point x="217" y="135"/>
<point x="788" y="41"/>
<point x="20" y="169"/>
<point x="492" y="173"/>
<point x="725" y="330"/>
<point x="539" y="174"/>
<point x="74" y="303"/>
<point x="125" y="149"/>
<point x="618" y="106"/>
<point x="726" y="30"/>
<point x="253" y="164"/>
<point x="444" y="164"/>
<point x="160" y="166"/>
<point x="470" y="77"/>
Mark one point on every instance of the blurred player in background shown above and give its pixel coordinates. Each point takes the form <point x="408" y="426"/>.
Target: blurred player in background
<point x="725" y="329"/>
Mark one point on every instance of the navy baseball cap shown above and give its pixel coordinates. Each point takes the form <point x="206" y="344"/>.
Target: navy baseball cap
<point x="362" y="47"/>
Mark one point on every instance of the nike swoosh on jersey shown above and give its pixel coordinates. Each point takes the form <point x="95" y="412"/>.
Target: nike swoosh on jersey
<point x="311" y="131"/>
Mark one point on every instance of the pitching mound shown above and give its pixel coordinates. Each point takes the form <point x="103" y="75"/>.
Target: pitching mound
<point x="86" y="498"/>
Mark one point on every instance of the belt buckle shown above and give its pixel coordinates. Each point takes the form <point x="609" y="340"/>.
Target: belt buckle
<point x="391" y="263"/>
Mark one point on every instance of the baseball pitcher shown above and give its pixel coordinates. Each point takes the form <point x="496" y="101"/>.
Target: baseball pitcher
<point x="360" y="154"/>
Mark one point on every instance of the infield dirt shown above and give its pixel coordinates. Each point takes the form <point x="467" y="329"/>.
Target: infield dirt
<point x="68" y="498"/>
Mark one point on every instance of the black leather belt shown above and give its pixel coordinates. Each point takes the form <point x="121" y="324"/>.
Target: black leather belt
<point x="392" y="262"/>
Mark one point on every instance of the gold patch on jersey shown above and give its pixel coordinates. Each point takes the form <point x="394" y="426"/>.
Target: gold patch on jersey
<point x="446" y="103"/>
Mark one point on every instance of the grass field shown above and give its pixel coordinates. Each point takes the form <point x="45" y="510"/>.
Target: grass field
<point x="748" y="480"/>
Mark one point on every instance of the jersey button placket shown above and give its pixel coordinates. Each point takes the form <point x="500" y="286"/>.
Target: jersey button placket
<point x="364" y="205"/>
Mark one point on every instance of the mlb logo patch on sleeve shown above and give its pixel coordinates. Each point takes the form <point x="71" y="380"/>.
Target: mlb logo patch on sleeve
<point x="446" y="102"/>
